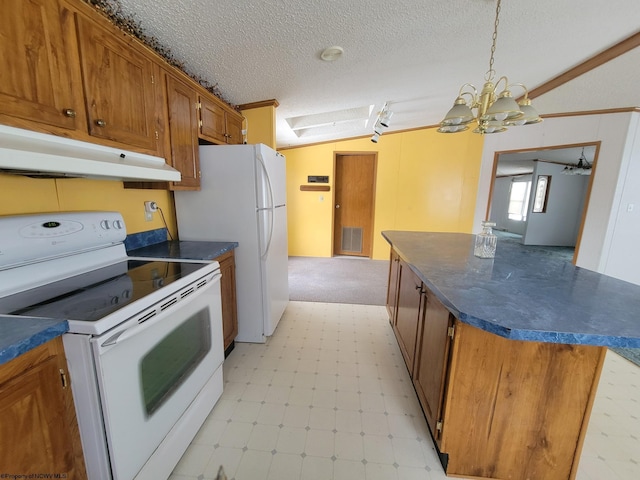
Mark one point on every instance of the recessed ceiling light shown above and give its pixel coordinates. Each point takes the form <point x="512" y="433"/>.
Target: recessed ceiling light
<point x="330" y="54"/>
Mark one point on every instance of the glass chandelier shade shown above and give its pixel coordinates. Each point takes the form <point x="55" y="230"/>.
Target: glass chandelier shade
<point x="495" y="109"/>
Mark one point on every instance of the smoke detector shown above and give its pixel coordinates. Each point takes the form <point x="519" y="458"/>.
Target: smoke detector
<point x="331" y="54"/>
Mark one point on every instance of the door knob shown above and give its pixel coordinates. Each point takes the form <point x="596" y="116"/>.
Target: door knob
<point x="101" y="123"/>
<point x="337" y="206"/>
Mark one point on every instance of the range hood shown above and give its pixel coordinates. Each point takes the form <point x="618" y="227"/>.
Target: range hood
<point x="36" y="154"/>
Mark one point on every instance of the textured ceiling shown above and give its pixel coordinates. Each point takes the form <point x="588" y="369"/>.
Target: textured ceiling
<point x="414" y="54"/>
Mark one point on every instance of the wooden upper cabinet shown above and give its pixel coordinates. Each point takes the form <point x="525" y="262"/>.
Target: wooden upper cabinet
<point x="234" y="128"/>
<point x="182" y="102"/>
<point x="118" y="85"/>
<point x="39" y="79"/>
<point x="217" y="124"/>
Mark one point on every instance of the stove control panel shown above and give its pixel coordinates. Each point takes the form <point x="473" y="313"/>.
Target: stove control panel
<point x="32" y="238"/>
<point x="50" y="228"/>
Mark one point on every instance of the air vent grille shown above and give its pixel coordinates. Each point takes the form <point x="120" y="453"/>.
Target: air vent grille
<point x="352" y="239"/>
<point x="172" y="301"/>
<point x="147" y="316"/>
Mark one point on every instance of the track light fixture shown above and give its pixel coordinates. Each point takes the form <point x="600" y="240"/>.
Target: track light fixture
<point x="382" y="122"/>
<point x="494" y="111"/>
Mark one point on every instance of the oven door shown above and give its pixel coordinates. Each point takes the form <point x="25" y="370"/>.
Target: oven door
<point x="148" y="374"/>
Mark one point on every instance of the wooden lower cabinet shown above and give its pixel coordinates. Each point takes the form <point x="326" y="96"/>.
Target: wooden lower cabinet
<point x="229" y="301"/>
<point x="392" y="291"/>
<point x="516" y="409"/>
<point x="39" y="431"/>
<point x="408" y="312"/>
<point x="432" y="361"/>
<point x="496" y="408"/>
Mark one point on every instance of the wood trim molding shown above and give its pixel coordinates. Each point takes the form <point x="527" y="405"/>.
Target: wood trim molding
<point x="601" y="58"/>
<point x="315" y="188"/>
<point x="592" y="112"/>
<point x="264" y="103"/>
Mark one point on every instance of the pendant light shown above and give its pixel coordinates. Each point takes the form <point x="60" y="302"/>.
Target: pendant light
<point x="495" y="112"/>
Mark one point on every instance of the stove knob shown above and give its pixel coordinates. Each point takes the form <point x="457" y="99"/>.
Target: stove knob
<point x="105" y="224"/>
<point x="118" y="225"/>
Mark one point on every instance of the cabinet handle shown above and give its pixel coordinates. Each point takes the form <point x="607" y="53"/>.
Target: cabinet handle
<point x="101" y="123"/>
<point x="69" y="112"/>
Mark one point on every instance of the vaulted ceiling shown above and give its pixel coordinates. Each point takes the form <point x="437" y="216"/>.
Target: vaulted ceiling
<point x="411" y="54"/>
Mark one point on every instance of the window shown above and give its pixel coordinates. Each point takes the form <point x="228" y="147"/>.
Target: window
<point x="540" y="199"/>
<point x="519" y="200"/>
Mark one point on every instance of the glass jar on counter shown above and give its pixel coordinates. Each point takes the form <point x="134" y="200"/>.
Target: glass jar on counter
<point x="485" y="245"/>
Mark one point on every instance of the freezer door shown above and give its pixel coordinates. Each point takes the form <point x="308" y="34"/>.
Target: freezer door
<point x="271" y="177"/>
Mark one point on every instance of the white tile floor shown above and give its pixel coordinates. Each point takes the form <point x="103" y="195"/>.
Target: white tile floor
<point x="328" y="397"/>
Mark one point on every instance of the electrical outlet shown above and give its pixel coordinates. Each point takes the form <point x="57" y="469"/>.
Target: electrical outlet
<point x="149" y="207"/>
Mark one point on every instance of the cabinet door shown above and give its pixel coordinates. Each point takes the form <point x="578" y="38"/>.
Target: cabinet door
<point x="212" y="121"/>
<point x="38" y="431"/>
<point x="408" y="311"/>
<point x="183" y="132"/>
<point x="228" y="290"/>
<point x="118" y="85"/>
<point x="218" y="125"/>
<point x="39" y="78"/>
<point x="233" y="128"/>
<point x="432" y="357"/>
<point x="392" y="286"/>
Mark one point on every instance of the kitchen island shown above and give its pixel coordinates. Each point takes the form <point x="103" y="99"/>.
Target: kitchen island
<point x="505" y="354"/>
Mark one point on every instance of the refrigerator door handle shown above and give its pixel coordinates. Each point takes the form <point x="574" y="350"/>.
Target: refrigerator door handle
<point x="270" y="207"/>
<point x="267" y="180"/>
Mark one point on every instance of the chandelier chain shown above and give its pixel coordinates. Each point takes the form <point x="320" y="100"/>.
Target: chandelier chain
<point x="491" y="72"/>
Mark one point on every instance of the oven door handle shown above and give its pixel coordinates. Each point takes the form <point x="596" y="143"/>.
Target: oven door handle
<point x="132" y="331"/>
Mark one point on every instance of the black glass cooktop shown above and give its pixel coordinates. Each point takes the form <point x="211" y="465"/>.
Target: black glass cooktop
<point x="96" y="294"/>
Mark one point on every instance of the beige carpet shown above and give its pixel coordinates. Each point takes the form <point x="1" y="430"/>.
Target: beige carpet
<point x="338" y="280"/>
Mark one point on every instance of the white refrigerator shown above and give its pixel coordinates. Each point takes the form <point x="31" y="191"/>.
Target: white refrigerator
<point x="243" y="199"/>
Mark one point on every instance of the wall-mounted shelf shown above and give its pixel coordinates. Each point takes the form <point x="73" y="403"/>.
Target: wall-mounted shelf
<point x="315" y="188"/>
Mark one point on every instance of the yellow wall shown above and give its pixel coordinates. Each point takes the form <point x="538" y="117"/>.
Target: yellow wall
<point x="260" y="124"/>
<point x="22" y="195"/>
<point x="425" y="181"/>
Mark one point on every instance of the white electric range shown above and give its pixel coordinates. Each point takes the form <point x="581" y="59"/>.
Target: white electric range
<point x="144" y="346"/>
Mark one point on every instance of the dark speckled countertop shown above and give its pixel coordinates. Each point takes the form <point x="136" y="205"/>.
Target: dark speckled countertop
<point x="523" y="293"/>
<point x="20" y="334"/>
<point x="187" y="250"/>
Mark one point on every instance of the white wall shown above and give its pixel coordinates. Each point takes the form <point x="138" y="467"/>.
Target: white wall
<point x="622" y="257"/>
<point x="559" y="224"/>
<point x="617" y="133"/>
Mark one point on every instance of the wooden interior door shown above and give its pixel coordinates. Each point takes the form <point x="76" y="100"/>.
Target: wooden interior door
<point x="355" y="176"/>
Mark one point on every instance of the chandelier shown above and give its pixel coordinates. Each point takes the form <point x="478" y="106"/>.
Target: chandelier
<point x="494" y="111"/>
<point x="582" y="168"/>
